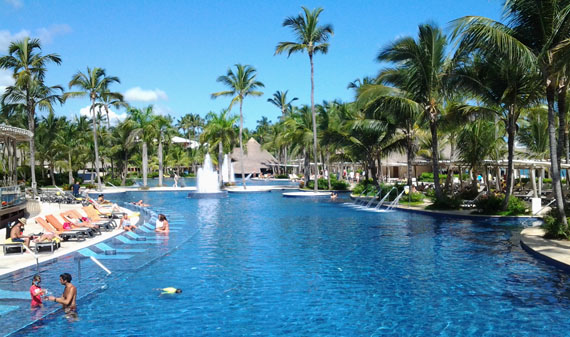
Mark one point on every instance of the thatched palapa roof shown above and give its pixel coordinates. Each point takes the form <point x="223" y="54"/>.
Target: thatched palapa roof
<point x="254" y="159"/>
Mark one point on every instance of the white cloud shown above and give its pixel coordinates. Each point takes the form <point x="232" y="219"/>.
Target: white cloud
<point x="140" y="95"/>
<point x="6" y="38"/>
<point x="45" y="34"/>
<point x="14" y="3"/>
<point x="6" y="79"/>
<point x="113" y="116"/>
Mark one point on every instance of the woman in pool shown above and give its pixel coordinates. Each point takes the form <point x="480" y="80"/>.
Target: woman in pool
<point x="162" y="224"/>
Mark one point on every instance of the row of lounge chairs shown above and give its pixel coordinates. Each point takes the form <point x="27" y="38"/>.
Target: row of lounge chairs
<point x="77" y="224"/>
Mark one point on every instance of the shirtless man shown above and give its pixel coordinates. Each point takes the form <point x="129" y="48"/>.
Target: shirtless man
<point x="16" y="233"/>
<point x="67" y="300"/>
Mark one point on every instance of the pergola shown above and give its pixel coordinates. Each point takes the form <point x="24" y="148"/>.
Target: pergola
<point x="10" y="136"/>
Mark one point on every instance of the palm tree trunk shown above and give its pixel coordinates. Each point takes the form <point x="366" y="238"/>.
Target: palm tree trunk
<point x="160" y="165"/>
<point x="409" y="159"/>
<point x="379" y="174"/>
<point x="435" y="158"/>
<point x="285" y="151"/>
<point x="95" y="144"/>
<point x="144" y="163"/>
<point x="329" y="170"/>
<point x="241" y="143"/>
<point x="554" y="169"/>
<point x="511" y="153"/>
<point x="31" y="127"/>
<point x="70" y="174"/>
<point x="306" y="171"/>
<point x="449" y="178"/>
<point x="52" y="173"/>
<point x="316" y="188"/>
<point x="220" y="158"/>
<point x="125" y="170"/>
<point x="563" y="126"/>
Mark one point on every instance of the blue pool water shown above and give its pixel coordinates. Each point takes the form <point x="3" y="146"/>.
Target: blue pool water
<point x="261" y="264"/>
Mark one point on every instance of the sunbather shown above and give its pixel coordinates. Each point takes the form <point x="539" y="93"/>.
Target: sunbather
<point x="17" y="233"/>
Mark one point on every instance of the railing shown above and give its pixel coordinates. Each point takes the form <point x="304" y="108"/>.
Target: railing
<point x="12" y="195"/>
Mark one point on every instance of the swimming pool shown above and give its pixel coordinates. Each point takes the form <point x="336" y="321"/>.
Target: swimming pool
<point x="261" y="264"/>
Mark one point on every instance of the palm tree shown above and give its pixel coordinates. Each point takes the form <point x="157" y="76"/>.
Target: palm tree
<point x="113" y="99"/>
<point x="124" y="146"/>
<point x="279" y="99"/>
<point x="419" y="71"/>
<point x="242" y="83"/>
<point x="219" y="131"/>
<point x="69" y="141"/>
<point x="146" y="130"/>
<point x="505" y="88"/>
<point x="535" y="35"/>
<point x="29" y="67"/>
<point x="94" y="84"/>
<point x="311" y="38"/>
<point x="165" y="133"/>
<point x="299" y="134"/>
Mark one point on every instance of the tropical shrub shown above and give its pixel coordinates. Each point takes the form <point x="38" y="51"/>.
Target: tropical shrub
<point x="553" y="227"/>
<point x="446" y="203"/>
<point x="152" y="175"/>
<point x="281" y="176"/>
<point x="490" y="204"/>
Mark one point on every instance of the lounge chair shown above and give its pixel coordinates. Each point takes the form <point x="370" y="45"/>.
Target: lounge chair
<point x="472" y="203"/>
<point x="64" y="234"/>
<point x="58" y="224"/>
<point x="75" y="216"/>
<point x="13" y="247"/>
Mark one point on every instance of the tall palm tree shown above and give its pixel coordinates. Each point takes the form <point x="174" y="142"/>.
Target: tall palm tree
<point x="280" y="100"/>
<point x="505" y="88"/>
<point x="536" y="34"/>
<point x="311" y="38"/>
<point x="242" y="83"/>
<point x="28" y="67"/>
<point x="145" y="130"/>
<point x="419" y="71"/>
<point x="111" y="99"/>
<point x="219" y="131"/>
<point x="94" y="84"/>
<point x="69" y="141"/>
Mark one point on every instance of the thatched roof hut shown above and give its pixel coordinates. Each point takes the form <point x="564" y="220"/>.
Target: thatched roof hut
<point x="255" y="159"/>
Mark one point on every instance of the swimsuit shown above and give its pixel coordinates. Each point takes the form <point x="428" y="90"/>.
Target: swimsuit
<point x="169" y="290"/>
<point x="35" y="291"/>
<point x="18" y="240"/>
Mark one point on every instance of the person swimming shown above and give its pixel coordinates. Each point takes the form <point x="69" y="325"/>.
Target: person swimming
<point x="170" y="290"/>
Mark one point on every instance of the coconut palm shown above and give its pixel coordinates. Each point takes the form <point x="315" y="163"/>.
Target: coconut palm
<point x="94" y="84"/>
<point x="242" y="83"/>
<point x="165" y="133"/>
<point x="219" y="131"/>
<point x="311" y="38"/>
<point x="69" y="141"/>
<point x="535" y="34"/>
<point x="281" y="101"/>
<point x="419" y="70"/>
<point x="111" y="99"/>
<point x="145" y="130"/>
<point x="28" y="67"/>
<point x="299" y="134"/>
<point x="124" y="146"/>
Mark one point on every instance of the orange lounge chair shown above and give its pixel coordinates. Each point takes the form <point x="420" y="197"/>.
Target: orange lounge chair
<point x="74" y="214"/>
<point x="52" y="220"/>
<point x="65" y="234"/>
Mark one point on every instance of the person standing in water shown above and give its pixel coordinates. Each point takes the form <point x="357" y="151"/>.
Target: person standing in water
<point x="37" y="292"/>
<point x="67" y="300"/>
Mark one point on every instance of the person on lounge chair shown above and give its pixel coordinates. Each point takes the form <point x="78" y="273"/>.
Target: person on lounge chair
<point x="17" y="233"/>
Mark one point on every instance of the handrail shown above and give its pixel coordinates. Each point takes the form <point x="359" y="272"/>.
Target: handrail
<point x="540" y="210"/>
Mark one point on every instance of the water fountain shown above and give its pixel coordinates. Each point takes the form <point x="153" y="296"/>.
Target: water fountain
<point x="386" y="196"/>
<point x="207" y="185"/>
<point x="395" y="202"/>
<point x="228" y="175"/>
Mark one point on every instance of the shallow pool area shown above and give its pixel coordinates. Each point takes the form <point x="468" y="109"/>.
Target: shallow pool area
<point x="262" y="264"/>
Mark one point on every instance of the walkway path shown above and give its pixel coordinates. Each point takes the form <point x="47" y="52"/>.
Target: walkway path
<point x="556" y="252"/>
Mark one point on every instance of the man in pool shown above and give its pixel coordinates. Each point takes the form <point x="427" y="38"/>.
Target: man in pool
<point x="67" y="300"/>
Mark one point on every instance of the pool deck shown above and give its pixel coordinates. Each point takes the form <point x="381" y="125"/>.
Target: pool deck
<point x="556" y="252"/>
<point x="12" y="262"/>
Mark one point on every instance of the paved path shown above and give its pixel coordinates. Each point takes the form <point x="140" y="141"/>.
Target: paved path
<point x="556" y="252"/>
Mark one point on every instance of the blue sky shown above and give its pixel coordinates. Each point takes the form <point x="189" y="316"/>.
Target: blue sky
<point x="170" y="53"/>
